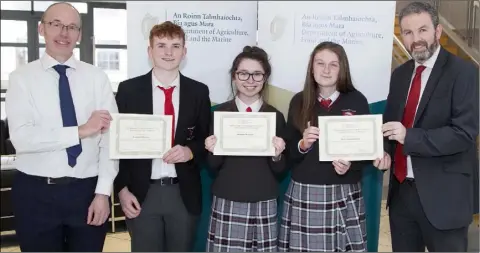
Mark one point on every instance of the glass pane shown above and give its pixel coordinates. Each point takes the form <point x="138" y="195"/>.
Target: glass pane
<point x="106" y="23"/>
<point x="12" y="58"/>
<point x="43" y="5"/>
<point x="76" y="52"/>
<point x="114" y="63"/>
<point x="14" y="31"/>
<point x="16" y="5"/>
<point x="41" y="39"/>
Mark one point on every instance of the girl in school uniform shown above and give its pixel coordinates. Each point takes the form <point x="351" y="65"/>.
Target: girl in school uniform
<point x="323" y="206"/>
<point x="245" y="190"/>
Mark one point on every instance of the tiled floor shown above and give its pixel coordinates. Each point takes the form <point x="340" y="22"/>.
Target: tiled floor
<point x="120" y="242"/>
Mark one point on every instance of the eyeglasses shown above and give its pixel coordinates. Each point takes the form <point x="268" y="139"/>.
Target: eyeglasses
<point x="58" y="27"/>
<point x="244" y="76"/>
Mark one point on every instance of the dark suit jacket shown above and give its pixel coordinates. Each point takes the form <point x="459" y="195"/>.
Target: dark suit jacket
<point x="442" y="142"/>
<point x="135" y="96"/>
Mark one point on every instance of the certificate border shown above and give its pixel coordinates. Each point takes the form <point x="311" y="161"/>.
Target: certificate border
<point x="377" y="152"/>
<point x="219" y="116"/>
<point x="115" y="152"/>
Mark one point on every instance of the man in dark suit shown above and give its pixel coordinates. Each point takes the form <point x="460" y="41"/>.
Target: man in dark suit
<point x="161" y="198"/>
<point x="431" y="126"/>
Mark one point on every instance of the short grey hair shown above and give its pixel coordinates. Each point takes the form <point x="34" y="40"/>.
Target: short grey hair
<point x="420" y="7"/>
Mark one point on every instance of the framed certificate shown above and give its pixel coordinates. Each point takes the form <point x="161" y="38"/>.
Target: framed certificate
<point x="244" y="133"/>
<point x="350" y="138"/>
<point x="140" y="136"/>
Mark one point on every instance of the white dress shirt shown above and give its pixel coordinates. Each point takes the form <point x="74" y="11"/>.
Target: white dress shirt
<point x="332" y="97"/>
<point x="36" y="126"/>
<point x="242" y="107"/>
<point x="425" y="75"/>
<point x="161" y="169"/>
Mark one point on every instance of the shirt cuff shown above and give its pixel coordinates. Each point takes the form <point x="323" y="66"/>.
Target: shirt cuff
<point x="300" y="150"/>
<point x="71" y="135"/>
<point x="104" y="186"/>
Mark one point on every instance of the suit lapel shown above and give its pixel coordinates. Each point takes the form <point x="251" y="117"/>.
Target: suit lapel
<point x="404" y="86"/>
<point x="145" y="104"/>
<point x="431" y="83"/>
<point x="184" y="105"/>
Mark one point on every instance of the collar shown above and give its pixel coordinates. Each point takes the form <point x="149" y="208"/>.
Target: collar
<point x="431" y="61"/>
<point x="156" y="82"/>
<point x="242" y="107"/>
<point x="332" y="97"/>
<point x="48" y="62"/>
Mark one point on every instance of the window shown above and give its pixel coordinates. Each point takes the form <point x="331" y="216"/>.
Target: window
<point x="111" y="43"/>
<point x="103" y="22"/>
<point x="108" y="60"/>
<point x="14" y="31"/>
<point x="16" y="5"/>
<point x="14" y="47"/>
<point x="12" y="58"/>
<point x="109" y="26"/>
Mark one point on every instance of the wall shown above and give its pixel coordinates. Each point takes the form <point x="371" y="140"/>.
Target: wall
<point x="453" y="11"/>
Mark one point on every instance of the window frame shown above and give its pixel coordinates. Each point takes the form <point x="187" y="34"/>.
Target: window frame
<point x="87" y="44"/>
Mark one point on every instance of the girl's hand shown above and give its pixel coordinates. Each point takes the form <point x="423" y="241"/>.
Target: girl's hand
<point x="341" y="166"/>
<point x="210" y="143"/>
<point x="279" y="145"/>
<point x="310" y="135"/>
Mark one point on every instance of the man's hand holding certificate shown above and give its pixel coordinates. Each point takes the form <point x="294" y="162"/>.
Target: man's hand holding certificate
<point x="139" y="136"/>
<point x="350" y="138"/>
<point x="244" y="134"/>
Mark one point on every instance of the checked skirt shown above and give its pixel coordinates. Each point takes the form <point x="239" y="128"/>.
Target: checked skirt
<point x="323" y="218"/>
<point x="242" y="227"/>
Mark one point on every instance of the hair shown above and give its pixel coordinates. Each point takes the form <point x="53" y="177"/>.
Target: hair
<point x="257" y="54"/>
<point x="167" y="29"/>
<point x="310" y="90"/>
<point x="55" y="4"/>
<point x="418" y="8"/>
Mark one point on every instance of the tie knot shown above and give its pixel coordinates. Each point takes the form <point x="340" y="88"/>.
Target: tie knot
<point x="326" y="102"/>
<point x="168" y="91"/>
<point x="420" y="69"/>
<point x="249" y="109"/>
<point x="61" y="69"/>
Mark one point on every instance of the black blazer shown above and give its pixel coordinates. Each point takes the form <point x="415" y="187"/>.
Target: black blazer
<point x="442" y="142"/>
<point x="135" y="96"/>
<point x="247" y="178"/>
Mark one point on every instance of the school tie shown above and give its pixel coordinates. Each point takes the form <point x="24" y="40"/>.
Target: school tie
<point x="169" y="109"/>
<point x="249" y="109"/>
<point x="407" y="120"/>
<point x="67" y="108"/>
<point x="326" y="102"/>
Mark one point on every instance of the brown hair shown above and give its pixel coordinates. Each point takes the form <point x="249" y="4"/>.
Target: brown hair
<point x="310" y="89"/>
<point x="166" y="29"/>
<point x="256" y="54"/>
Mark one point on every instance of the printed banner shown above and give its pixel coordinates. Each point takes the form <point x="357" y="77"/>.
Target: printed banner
<point x="290" y="30"/>
<point x="216" y="32"/>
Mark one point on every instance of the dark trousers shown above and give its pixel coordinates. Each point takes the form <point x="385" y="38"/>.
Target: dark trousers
<point x="412" y="231"/>
<point x="53" y="217"/>
<point x="164" y="224"/>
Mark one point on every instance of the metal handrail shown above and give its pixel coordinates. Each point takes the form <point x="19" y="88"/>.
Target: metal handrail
<point x="471" y="52"/>
<point x="397" y="41"/>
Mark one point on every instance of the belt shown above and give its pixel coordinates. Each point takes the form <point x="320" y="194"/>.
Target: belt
<point x="165" y="181"/>
<point x="58" y="180"/>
